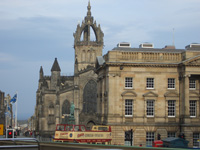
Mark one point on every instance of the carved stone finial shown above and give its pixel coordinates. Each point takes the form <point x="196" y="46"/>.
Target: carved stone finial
<point x="89" y="9"/>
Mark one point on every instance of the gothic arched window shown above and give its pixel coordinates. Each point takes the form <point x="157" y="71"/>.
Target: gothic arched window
<point x="66" y="107"/>
<point x="83" y="55"/>
<point x="65" y="110"/>
<point x="90" y="97"/>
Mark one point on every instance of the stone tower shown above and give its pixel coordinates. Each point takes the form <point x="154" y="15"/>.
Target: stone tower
<point x="56" y="93"/>
<point x="86" y="50"/>
<point x="85" y="79"/>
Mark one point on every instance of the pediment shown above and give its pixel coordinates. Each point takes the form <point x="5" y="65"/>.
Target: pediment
<point x="194" y="94"/>
<point x="129" y="94"/>
<point x="193" y="61"/>
<point x="150" y="94"/>
<point x="171" y="94"/>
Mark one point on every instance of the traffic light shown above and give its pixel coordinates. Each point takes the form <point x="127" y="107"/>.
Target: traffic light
<point x="10" y="133"/>
<point x="182" y="135"/>
<point x="159" y="136"/>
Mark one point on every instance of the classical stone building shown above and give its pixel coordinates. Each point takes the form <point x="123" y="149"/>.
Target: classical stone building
<point x="56" y="93"/>
<point x="145" y="90"/>
<point x="150" y="91"/>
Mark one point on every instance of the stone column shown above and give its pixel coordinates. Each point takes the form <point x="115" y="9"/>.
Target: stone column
<point x="186" y="99"/>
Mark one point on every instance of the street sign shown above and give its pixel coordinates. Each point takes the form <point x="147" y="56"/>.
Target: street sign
<point x="1" y="129"/>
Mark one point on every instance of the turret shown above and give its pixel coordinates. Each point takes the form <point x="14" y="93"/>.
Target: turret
<point x="55" y="74"/>
<point x="41" y="73"/>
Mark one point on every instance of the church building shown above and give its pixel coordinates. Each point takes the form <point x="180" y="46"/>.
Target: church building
<point x="56" y="93"/>
<point x="147" y="93"/>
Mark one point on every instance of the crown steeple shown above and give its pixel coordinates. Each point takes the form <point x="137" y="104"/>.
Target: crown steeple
<point x="88" y="42"/>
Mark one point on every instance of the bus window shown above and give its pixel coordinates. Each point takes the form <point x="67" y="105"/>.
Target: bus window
<point x="60" y="128"/>
<point x="102" y="128"/>
<point x="69" y="128"/>
<point x="76" y="128"/>
<point x="82" y="128"/>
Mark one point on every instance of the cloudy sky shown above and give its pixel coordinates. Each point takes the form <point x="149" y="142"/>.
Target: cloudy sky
<point x="34" y="32"/>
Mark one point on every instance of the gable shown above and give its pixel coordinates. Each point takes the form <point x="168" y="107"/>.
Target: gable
<point x="129" y="94"/>
<point x="150" y="94"/>
<point x="194" y="95"/>
<point x="194" y="61"/>
<point x="171" y="94"/>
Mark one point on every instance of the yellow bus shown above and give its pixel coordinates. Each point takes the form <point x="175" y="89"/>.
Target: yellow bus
<point x="99" y="134"/>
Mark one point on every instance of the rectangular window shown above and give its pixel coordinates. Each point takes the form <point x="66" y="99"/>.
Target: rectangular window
<point x="128" y="107"/>
<point x="150" y="83"/>
<point x="171" y="134"/>
<point x="196" y="137"/>
<point x="149" y="138"/>
<point x="192" y="108"/>
<point x="171" y="108"/>
<point x="150" y="108"/>
<point x="171" y="83"/>
<point x="192" y="84"/>
<point x="128" y="83"/>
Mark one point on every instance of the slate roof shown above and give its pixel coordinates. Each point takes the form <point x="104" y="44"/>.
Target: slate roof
<point x="55" y="66"/>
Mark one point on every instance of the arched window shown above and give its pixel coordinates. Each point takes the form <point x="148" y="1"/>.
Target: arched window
<point x="88" y="56"/>
<point x="65" y="111"/>
<point x="66" y="107"/>
<point x="90" y="97"/>
<point x="83" y="55"/>
<point x="92" y="35"/>
<point x="88" y="34"/>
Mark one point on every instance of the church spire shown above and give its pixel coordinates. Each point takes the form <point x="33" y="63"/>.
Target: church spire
<point x="41" y="72"/>
<point x="55" y="66"/>
<point x="89" y="9"/>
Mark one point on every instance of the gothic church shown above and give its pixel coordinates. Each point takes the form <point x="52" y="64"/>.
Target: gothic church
<point x="56" y="93"/>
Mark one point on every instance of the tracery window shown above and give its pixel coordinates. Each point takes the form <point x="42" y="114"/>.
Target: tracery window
<point x="66" y="107"/>
<point x="65" y="111"/>
<point x="90" y="97"/>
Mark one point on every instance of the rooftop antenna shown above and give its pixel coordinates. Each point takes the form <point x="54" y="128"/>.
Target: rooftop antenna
<point x="173" y="38"/>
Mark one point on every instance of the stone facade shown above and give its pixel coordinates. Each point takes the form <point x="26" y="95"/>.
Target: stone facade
<point x="56" y="93"/>
<point x="151" y="91"/>
<point x="146" y="90"/>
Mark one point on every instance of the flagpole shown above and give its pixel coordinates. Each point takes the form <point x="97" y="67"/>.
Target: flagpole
<point x="16" y="111"/>
<point x="6" y="115"/>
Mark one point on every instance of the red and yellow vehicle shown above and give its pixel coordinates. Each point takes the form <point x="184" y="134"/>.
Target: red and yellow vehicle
<point x="77" y="133"/>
